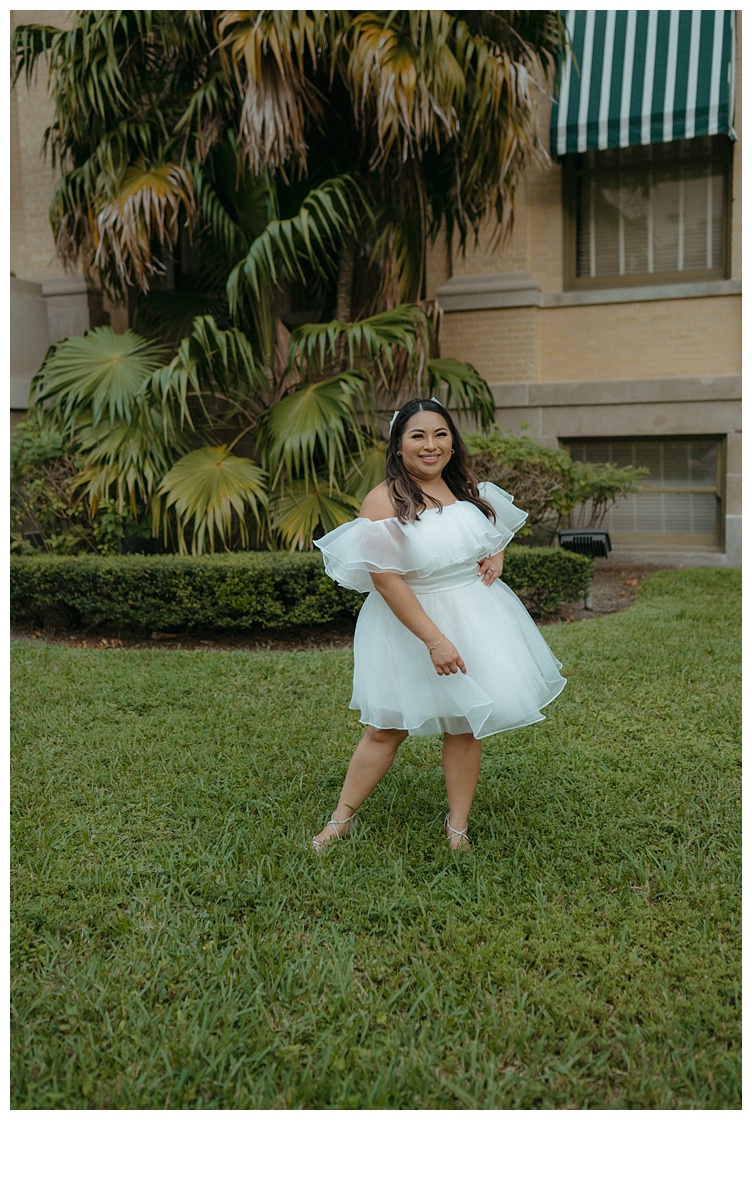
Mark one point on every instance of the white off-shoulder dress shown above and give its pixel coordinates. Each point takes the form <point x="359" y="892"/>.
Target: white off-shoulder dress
<point x="511" y="673"/>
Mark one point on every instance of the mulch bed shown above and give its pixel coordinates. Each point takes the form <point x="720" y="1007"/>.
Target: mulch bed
<point x="613" y="590"/>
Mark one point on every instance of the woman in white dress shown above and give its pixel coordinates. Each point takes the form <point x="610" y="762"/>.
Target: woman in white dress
<point x="442" y="646"/>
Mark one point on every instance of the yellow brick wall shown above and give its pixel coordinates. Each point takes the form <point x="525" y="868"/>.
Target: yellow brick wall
<point x="438" y="267"/>
<point x="650" y="340"/>
<point x="546" y="222"/>
<point x="501" y="343"/>
<point x="32" y="246"/>
<point x="512" y="254"/>
<point x="488" y="256"/>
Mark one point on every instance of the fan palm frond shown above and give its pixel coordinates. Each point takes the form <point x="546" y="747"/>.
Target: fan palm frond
<point x="207" y="114"/>
<point x="213" y="489"/>
<point x="252" y="198"/>
<point x="82" y="191"/>
<point x="223" y="229"/>
<point x="366" y="471"/>
<point x="28" y="45"/>
<point x="533" y="35"/>
<point x="303" y="510"/>
<point x="126" y="461"/>
<point x="103" y="374"/>
<point x="94" y="67"/>
<point x="405" y="80"/>
<point x="272" y="55"/>
<point x="317" y="419"/>
<point x="373" y="339"/>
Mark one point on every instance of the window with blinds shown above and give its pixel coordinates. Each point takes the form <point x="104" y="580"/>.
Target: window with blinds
<point x="644" y="214"/>
<point x="680" y="501"/>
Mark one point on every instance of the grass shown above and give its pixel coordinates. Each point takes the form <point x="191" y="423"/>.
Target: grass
<point x="175" y="943"/>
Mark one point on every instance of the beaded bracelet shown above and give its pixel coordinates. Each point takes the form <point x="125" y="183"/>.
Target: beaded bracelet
<point x="437" y="644"/>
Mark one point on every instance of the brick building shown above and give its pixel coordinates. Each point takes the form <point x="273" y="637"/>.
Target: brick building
<point x="610" y="323"/>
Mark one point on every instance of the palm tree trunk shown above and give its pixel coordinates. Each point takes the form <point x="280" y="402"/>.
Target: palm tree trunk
<point x="345" y="280"/>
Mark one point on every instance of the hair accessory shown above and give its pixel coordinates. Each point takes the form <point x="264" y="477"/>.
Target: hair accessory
<point x="394" y="418"/>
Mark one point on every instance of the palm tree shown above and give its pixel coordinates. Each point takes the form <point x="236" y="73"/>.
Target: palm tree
<point x="251" y="158"/>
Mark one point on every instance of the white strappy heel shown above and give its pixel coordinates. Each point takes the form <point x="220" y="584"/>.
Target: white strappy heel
<point x="450" y="833"/>
<point x="319" y="847"/>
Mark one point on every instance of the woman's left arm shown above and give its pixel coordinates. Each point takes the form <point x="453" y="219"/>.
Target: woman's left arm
<point x="490" y="568"/>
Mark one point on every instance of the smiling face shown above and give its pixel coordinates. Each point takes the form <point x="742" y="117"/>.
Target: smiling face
<point x="426" y="446"/>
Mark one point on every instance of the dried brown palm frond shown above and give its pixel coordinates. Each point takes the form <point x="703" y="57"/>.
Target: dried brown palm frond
<point x="145" y="211"/>
<point x="271" y="56"/>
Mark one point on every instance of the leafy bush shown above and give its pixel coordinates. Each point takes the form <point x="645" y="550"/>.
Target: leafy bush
<point x="547" y="483"/>
<point x="48" y="511"/>
<point x="234" y="592"/>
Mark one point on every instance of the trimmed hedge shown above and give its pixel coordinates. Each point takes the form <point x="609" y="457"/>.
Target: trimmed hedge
<point x="234" y="592"/>
<point x="545" y="577"/>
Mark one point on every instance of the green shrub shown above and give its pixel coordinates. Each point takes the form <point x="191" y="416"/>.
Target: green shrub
<point x="233" y="592"/>
<point x="48" y="510"/>
<point x="547" y="483"/>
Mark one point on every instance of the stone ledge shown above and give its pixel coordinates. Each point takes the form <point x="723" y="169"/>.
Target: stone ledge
<point x="518" y="289"/>
<point x="512" y="289"/>
<point x="672" y="390"/>
<point x="24" y="287"/>
<point x="67" y="285"/>
<point x="666" y="558"/>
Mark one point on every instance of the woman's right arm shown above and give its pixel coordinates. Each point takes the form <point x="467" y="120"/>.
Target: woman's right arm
<point x="408" y="609"/>
<point x="403" y="602"/>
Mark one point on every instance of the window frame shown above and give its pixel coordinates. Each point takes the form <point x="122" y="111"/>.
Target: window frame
<point x="646" y="541"/>
<point x="573" y="168"/>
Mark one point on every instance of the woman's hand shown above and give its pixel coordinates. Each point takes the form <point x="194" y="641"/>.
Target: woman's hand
<point x="446" y="658"/>
<point x="490" y="568"/>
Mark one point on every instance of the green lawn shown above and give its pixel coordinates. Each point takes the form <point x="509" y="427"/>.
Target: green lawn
<point x="177" y="945"/>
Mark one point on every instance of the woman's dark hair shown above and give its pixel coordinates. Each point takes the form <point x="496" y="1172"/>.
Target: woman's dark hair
<point x="406" y="495"/>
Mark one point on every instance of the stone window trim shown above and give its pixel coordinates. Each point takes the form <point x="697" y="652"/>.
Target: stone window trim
<point x="518" y="289"/>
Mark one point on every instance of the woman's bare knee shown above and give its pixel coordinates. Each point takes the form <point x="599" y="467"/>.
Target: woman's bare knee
<point x="460" y="739"/>
<point x="385" y="737"/>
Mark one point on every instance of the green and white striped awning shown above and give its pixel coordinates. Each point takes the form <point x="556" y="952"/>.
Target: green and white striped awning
<point x="638" y="76"/>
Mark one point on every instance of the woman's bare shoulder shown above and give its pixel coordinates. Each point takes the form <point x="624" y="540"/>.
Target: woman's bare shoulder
<point x="377" y="505"/>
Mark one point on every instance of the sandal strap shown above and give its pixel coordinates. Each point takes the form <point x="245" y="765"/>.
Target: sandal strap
<point x="335" y="823"/>
<point x="319" y="846"/>
<point x="455" y="832"/>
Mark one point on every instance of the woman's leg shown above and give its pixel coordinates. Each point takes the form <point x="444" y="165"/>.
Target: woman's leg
<point x="461" y="762"/>
<point x="374" y="755"/>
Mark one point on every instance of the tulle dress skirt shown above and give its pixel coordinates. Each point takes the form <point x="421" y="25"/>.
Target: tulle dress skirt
<point x="511" y="672"/>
